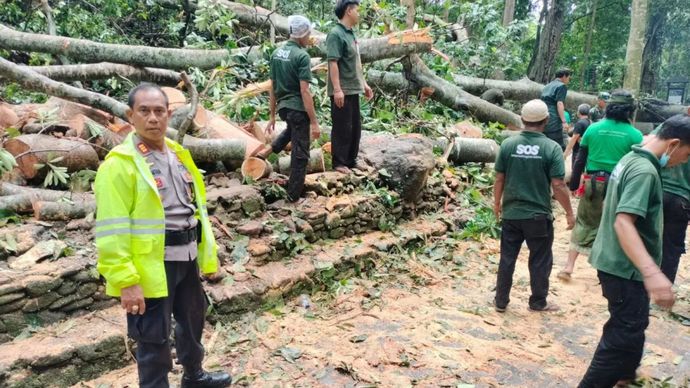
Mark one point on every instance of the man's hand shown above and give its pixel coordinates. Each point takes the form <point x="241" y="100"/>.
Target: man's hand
<point x="339" y="98"/>
<point x="315" y="131"/>
<point x="659" y="289"/>
<point x="497" y="211"/>
<point x="132" y="300"/>
<point x="570" y="219"/>
<point x="368" y="93"/>
<point x="270" y="127"/>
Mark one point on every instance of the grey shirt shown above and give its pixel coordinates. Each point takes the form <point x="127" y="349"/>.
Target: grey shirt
<point x="175" y="187"/>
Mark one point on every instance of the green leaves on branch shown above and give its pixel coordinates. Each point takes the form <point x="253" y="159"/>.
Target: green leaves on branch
<point x="7" y="161"/>
<point x="56" y="175"/>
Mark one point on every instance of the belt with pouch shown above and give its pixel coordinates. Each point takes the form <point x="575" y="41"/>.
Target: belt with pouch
<point x="182" y="237"/>
<point x="597" y="176"/>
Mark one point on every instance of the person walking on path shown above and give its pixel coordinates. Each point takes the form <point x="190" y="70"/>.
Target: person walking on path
<point x="345" y="83"/>
<point x="602" y="146"/>
<point x="528" y="167"/>
<point x="153" y="237"/>
<point x="597" y="113"/>
<point x="290" y="77"/>
<point x="554" y="94"/>
<point x="627" y="252"/>
<point x="579" y="129"/>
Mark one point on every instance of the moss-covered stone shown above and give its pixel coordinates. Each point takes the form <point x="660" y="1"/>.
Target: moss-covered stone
<point x="41" y="284"/>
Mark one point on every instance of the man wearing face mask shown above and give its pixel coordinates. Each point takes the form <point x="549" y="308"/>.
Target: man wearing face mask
<point x="627" y="252"/>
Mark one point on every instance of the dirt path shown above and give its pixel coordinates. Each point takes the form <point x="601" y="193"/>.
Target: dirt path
<point x="430" y="323"/>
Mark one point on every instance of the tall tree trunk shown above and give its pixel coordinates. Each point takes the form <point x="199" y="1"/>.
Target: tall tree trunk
<point x="541" y="70"/>
<point x="636" y="43"/>
<point x="508" y="12"/>
<point x="409" y="18"/>
<point x="651" y="56"/>
<point x="588" y="44"/>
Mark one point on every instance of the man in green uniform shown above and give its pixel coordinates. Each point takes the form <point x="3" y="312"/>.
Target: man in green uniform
<point x="153" y="237"/>
<point x="345" y="84"/>
<point x="528" y="167"/>
<point x="290" y="77"/>
<point x="553" y="95"/>
<point x="597" y="112"/>
<point x="627" y="252"/>
<point x="602" y="146"/>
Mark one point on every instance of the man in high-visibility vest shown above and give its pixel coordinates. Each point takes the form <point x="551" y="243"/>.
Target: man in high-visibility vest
<point x="154" y="237"/>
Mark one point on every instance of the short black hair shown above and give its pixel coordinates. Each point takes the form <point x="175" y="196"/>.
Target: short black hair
<point x="621" y="106"/>
<point x="342" y="6"/>
<point x="583" y="109"/>
<point x="564" y="72"/>
<point x="676" y="127"/>
<point x="144" y="86"/>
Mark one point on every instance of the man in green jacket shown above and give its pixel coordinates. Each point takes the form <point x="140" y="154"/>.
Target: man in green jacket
<point x="345" y="83"/>
<point x="554" y="94"/>
<point x="153" y="237"/>
<point x="627" y="253"/>
<point x="597" y="113"/>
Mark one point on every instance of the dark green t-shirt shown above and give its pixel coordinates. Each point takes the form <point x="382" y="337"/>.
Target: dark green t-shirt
<point x="342" y="46"/>
<point x="634" y="188"/>
<point x="607" y="142"/>
<point x="529" y="161"/>
<point x="289" y="66"/>
<point x="676" y="180"/>
<point x="553" y="92"/>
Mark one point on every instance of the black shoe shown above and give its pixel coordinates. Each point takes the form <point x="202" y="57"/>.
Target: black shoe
<point x="203" y="379"/>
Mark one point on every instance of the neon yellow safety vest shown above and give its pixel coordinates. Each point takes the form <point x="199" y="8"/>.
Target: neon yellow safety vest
<point x="130" y="221"/>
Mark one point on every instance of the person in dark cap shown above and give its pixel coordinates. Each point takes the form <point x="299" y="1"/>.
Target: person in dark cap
<point x="602" y="146"/>
<point x="345" y="83"/>
<point x="553" y="95"/>
<point x="597" y="112"/>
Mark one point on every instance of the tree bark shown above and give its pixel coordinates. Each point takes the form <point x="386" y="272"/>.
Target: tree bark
<point x="20" y="199"/>
<point x="636" y="44"/>
<point x="228" y="151"/>
<point x="508" y="12"/>
<point x="315" y="164"/>
<point x="105" y="70"/>
<point x="588" y="44"/>
<point x="466" y="150"/>
<point x="541" y="70"/>
<point x="652" y="54"/>
<point x="29" y="150"/>
<point x="40" y="83"/>
<point x="62" y="211"/>
<point x="656" y="111"/>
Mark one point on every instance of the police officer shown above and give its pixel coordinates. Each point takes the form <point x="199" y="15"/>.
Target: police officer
<point x="153" y="237"/>
<point x="553" y="95"/>
<point x="597" y="113"/>
<point x="528" y="167"/>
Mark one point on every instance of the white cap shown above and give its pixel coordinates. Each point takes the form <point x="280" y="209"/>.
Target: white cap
<point x="299" y="26"/>
<point x="534" y="111"/>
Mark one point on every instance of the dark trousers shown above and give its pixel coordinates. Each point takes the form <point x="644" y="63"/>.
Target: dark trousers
<point x="675" y="225"/>
<point x="620" y="349"/>
<point x="346" y="132"/>
<point x="297" y="132"/>
<point x="539" y="236"/>
<point x="187" y="303"/>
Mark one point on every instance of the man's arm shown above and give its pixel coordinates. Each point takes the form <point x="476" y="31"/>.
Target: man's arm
<point x="272" y="121"/>
<point x="498" y="193"/>
<point x="560" y="191"/>
<point x="561" y="111"/>
<point x="656" y="283"/>
<point x="334" y="74"/>
<point x="578" y="167"/>
<point x="308" y="101"/>
<point x="571" y="143"/>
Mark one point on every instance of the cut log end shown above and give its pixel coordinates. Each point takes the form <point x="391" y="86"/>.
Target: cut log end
<point x="256" y="168"/>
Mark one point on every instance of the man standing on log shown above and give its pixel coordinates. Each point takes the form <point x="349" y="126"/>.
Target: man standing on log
<point x="290" y="77"/>
<point x="153" y="237"/>
<point x="597" y="112"/>
<point x="627" y="252"/>
<point x="345" y="84"/>
<point x="602" y="146"/>
<point x="553" y="95"/>
<point x="528" y="167"/>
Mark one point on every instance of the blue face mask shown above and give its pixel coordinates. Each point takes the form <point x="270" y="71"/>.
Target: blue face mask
<point x="663" y="160"/>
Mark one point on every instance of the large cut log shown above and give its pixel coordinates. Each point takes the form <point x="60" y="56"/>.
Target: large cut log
<point x="315" y="164"/>
<point x="16" y="203"/>
<point x="30" y="150"/>
<point x="40" y="83"/>
<point x="467" y="150"/>
<point x="256" y="168"/>
<point x="20" y="199"/>
<point x="62" y="211"/>
<point x="230" y="152"/>
<point x="105" y="70"/>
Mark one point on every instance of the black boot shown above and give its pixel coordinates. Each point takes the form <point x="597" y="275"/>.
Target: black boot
<point x="198" y="378"/>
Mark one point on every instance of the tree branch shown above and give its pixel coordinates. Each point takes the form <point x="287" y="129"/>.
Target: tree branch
<point x="105" y="70"/>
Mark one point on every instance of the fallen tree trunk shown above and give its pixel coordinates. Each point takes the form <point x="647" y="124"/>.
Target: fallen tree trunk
<point x="16" y="203"/>
<point x="105" y="70"/>
<point x="655" y="111"/>
<point x="30" y="150"/>
<point x="20" y="199"/>
<point x="230" y="152"/>
<point x="467" y="150"/>
<point x="62" y="211"/>
<point x="40" y="83"/>
<point x="315" y="164"/>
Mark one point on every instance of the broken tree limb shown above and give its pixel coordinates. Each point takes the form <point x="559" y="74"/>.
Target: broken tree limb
<point x="105" y="70"/>
<point x="20" y="199"/>
<point x="315" y="164"/>
<point x="655" y="111"/>
<point x="188" y="121"/>
<point x="230" y="152"/>
<point x="62" y="211"/>
<point x="465" y="150"/>
<point x="16" y="203"/>
<point x="40" y="83"/>
<point x="30" y="150"/>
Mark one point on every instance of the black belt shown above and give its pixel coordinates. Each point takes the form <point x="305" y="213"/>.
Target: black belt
<point x="182" y="237"/>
